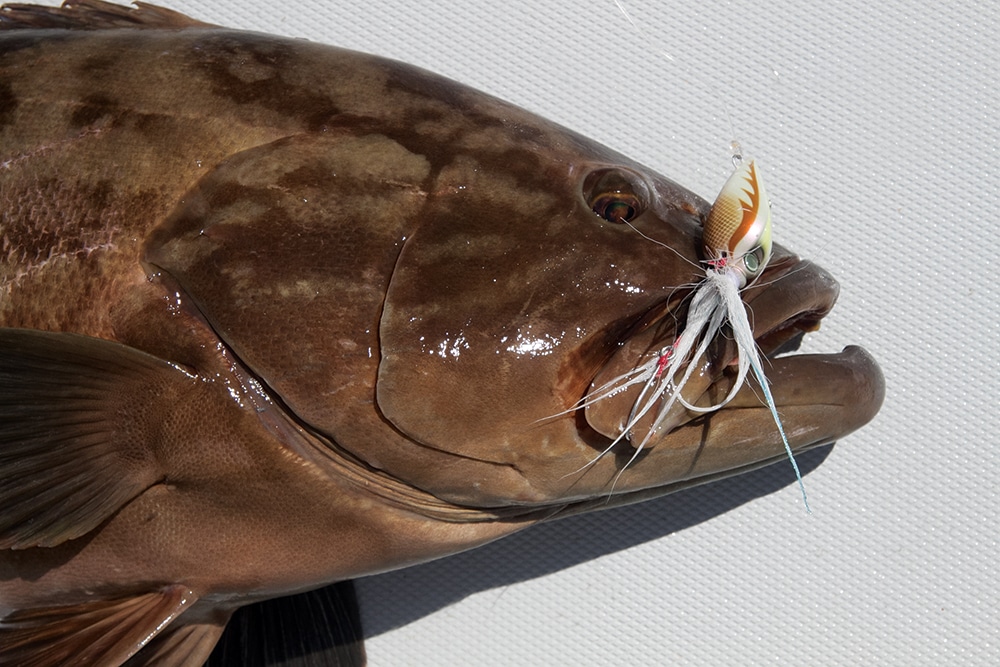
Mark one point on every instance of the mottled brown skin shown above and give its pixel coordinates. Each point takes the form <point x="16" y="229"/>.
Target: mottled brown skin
<point x="374" y="288"/>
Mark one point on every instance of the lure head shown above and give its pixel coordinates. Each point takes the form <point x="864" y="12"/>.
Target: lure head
<point x="737" y="233"/>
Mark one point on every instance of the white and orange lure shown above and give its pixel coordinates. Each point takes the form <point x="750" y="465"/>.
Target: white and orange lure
<point x="737" y="244"/>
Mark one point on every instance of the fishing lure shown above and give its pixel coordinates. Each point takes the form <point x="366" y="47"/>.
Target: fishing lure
<point x="737" y="245"/>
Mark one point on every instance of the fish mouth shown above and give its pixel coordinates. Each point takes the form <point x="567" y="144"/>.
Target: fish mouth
<point x="819" y="397"/>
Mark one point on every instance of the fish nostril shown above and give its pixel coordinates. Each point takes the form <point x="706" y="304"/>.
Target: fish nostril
<point x="615" y="195"/>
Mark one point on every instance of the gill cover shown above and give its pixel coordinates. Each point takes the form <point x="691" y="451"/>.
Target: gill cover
<point x="737" y="232"/>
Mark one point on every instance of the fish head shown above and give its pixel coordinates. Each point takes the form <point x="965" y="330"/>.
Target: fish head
<point x="509" y="314"/>
<point x="435" y="283"/>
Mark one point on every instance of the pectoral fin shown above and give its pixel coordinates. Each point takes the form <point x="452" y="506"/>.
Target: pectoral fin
<point x="102" y="632"/>
<point x="79" y="418"/>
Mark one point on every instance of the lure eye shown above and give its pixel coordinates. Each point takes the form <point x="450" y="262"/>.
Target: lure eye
<point x="753" y="259"/>
<point x="615" y="195"/>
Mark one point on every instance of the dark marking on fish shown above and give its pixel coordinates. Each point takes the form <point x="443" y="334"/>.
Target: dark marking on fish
<point x="93" y="108"/>
<point x="275" y="315"/>
<point x="246" y="71"/>
<point x="8" y="103"/>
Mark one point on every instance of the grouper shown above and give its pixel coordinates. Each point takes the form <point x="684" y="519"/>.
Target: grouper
<point x="275" y="315"/>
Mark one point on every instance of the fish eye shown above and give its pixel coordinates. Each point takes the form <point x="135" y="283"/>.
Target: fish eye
<point x="615" y="195"/>
<point x="615" y="207"/>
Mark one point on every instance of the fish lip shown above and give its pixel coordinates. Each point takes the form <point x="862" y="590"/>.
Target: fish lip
<point x="789" y="300"/>
<point x="852" y="396"/>
<point x="853" y="380"/>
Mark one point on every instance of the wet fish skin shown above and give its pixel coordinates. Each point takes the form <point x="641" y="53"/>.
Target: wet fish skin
<point x="319" y="306"/>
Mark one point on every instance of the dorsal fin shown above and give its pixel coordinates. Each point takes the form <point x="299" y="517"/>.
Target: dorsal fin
<point x="92" y="15"/>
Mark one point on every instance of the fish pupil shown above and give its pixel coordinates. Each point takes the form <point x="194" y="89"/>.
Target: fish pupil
<point x="615" y="209"/>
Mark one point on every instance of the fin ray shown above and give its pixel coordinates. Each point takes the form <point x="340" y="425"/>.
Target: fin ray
<point x="319" y="628"/>
<point x="92" y="15"/>
<point x="94" y="633"/>
<point x="78" y="431"/>
<point x="187" y="645"/>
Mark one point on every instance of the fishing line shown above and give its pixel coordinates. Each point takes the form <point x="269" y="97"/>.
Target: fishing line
<point x="737" y="248"/>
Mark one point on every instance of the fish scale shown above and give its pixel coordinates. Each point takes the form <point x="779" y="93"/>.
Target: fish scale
<point x="230" y="263"/>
